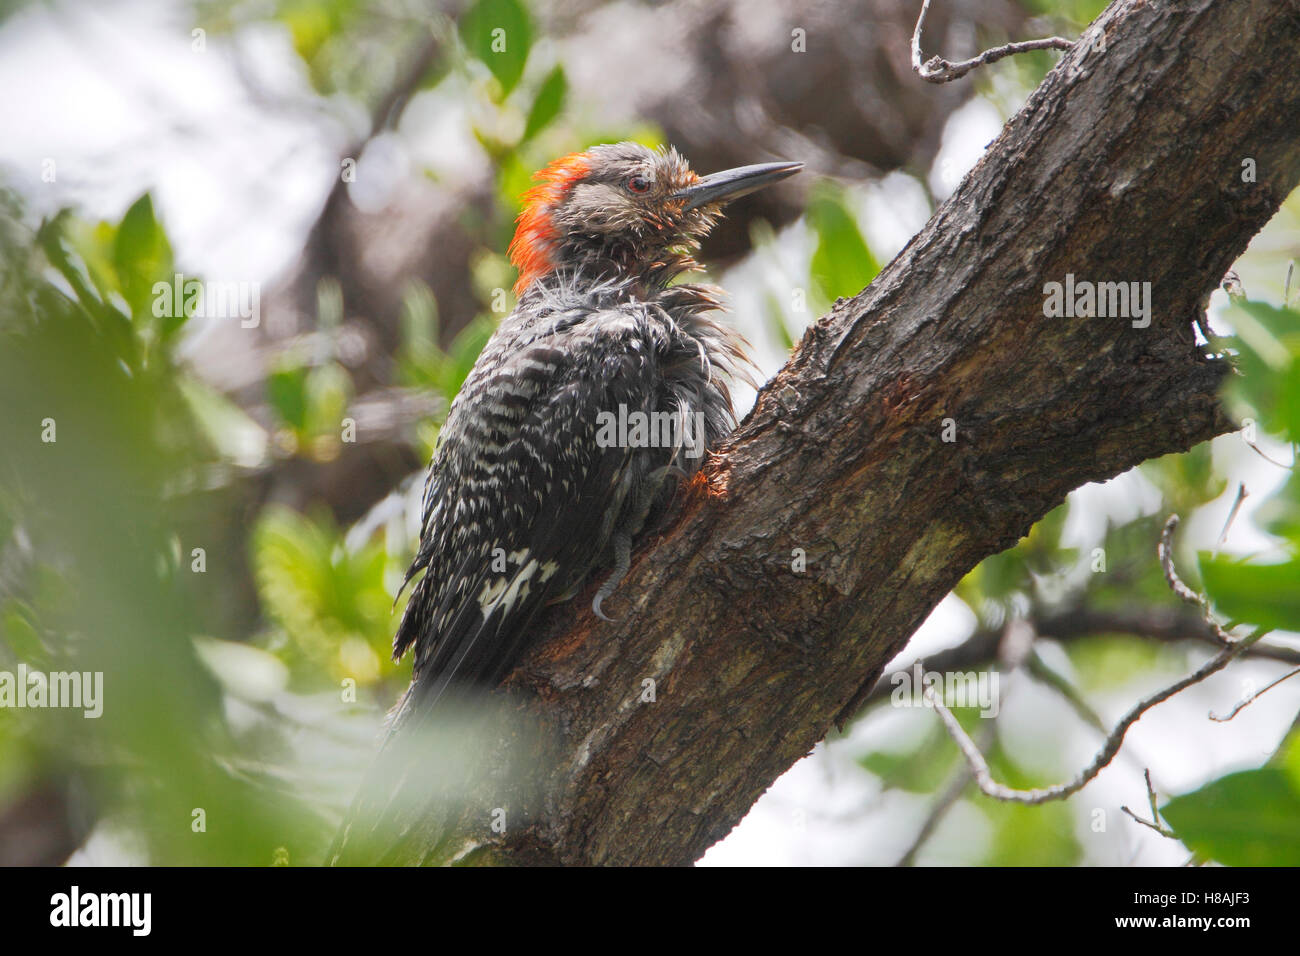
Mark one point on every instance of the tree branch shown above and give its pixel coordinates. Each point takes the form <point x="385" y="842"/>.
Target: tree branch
<point x="938" y="70"/>
<point x="979" y="768"/>
<point x="1232" y="648"/>
<point x="1166" y="625"/>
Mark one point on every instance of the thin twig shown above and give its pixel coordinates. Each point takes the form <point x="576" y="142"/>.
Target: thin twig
<point x="938" y="70"/>
<point x="1074" y="622"/>
<point x="1014" y="649"/>
<point x="1041" y="671"/>
<point x="1233" y="648"/>
<point x="1165" y="550"/>
<point x="956" y="785"/>
<point x="991" y="788"/>
<point x="1163" y="831"/>
<point x="1151" y="794"/>
<point x="1232" y="515"/>
<point x="1154" y="823"/>
<point x="1273" y="461"/>
<point x="1247" y="701"/>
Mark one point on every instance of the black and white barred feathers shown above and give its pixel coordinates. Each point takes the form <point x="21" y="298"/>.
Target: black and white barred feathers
<point x="522" y="502"/>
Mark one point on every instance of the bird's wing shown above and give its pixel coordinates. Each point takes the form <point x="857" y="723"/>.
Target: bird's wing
<point x="529" y="500"/>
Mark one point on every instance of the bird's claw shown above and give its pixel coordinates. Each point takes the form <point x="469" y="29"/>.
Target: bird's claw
<point x="595" y="609"/>
<point x="622" y="561"/>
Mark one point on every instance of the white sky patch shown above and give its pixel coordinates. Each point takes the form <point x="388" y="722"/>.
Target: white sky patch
<point x="890" y="212"/>
<point x="966" y="136"/>
<point x="118" y="98"/>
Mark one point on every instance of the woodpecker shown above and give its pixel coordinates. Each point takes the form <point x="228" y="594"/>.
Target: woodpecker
<point x="530" y="489"/>
<point x="533" y="487"/>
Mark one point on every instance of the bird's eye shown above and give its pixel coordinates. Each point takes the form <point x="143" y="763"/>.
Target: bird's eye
<point x="637" y="184"/>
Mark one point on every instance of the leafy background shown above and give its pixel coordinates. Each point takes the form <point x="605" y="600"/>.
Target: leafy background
<point x="207" y="531"/>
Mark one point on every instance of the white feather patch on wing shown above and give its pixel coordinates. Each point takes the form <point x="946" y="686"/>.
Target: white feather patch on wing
<point x="505" y="592"/>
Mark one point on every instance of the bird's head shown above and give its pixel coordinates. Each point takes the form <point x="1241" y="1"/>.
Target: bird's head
<point x="624" y="207"/>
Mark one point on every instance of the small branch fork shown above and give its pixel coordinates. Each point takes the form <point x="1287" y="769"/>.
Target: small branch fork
<point x="1015" y="650"/>
<point x="1154" y="823"/>
<point x="1232" y="649"/>
<point x="1166" y="552"/>
<point x="938" y="70"/>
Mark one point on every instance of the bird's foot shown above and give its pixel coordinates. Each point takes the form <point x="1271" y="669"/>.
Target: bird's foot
<point x="622" y="561"/>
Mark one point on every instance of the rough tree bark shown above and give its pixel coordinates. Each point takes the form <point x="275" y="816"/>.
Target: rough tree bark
<point x="1125" y="165"/>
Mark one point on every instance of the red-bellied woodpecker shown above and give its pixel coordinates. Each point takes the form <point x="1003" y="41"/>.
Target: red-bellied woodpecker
<point x="603" y="388"/>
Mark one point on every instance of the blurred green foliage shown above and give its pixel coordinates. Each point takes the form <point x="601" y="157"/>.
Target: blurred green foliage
<point x="842" y="263"/>
<point x="1080" y="13"/>
<point x="498" y="33"/>
<point x="1266" y="349"/>
<point x="102" y="457"/>
<point x="331" y="605"/>
<point x="1250" y="818"/>
<point x="120" y="534"/>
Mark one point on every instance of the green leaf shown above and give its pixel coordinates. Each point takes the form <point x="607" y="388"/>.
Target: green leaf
<point x="997" y="578"/>
<point x="842" y="263"/>
<point x="1080" y="12"/>
<point x="286" y="389"/>
<point x="919" y="770"/>
<point x="419" y="319"/>
<point x="1270" y="332"/>
<point x="142" y="256"/>
<point x="1280" y="513"/>
<point x="547" y="104"/>
<point x="513" y="179"/>
<point x="20" y="635"/>
<point x="1186" y="480"/>
<point x="251" y="672"/>
<point x="329" y="599"/>
<point x="1268" y="346"/>
<point x="53" y="239"/>
<point x="1250" y="818"/>
<point x="1105" y="661"/>
<point x="1267" y="595"/>
<point x="328" y="391"/>
<point x="310" y="26"/>
<point x="230" y="430"/>
<point x="1288" y="758"/>
<point x="499" y="33"/>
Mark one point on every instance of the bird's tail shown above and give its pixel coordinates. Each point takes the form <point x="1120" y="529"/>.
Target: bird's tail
<point x="431" y="761"/>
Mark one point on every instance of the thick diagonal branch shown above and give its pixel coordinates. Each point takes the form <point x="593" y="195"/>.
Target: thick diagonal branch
<point x="1125" y="166"/>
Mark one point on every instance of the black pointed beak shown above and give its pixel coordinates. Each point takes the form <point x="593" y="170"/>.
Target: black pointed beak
<point x="733" y="183"/>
